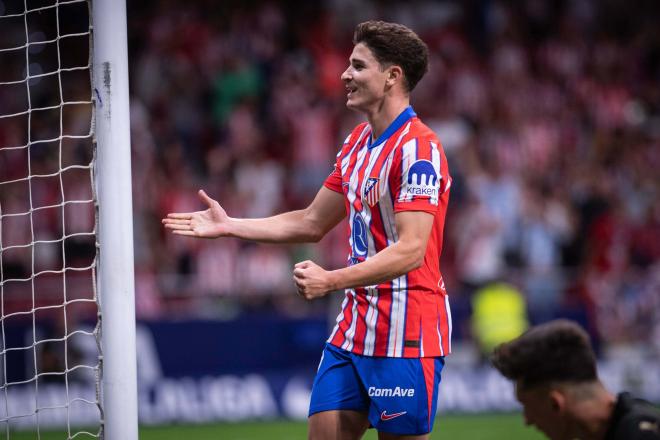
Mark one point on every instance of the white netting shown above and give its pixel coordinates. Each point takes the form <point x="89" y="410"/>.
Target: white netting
<point x="49" y="330"/>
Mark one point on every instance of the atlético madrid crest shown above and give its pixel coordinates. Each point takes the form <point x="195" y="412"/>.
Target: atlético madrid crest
<point x="372" y="191"/>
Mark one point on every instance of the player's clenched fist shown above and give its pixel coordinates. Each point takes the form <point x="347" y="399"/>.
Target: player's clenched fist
<point x="210" y="223"/>
<point x="312" y="281"/>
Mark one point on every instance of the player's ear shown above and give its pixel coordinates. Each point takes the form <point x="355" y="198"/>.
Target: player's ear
<point x="394" y="75"/>
<point x="557" y="401"/>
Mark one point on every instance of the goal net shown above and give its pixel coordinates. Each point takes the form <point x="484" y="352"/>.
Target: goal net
<point x="50" y="355"/>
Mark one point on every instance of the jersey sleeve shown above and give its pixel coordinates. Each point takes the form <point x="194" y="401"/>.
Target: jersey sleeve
<point x="419" y="176"/>
<point x="333" y="181"/>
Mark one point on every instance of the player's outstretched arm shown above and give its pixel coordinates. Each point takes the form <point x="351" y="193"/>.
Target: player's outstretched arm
<point x="305" y="225"/>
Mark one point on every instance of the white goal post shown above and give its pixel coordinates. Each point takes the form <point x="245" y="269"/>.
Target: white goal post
<point x="67" y="313"/>
<point x="115" y="235"/>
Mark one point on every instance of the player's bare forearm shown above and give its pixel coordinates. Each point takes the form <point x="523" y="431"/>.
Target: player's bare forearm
<point x="312" y="281"/>
<point x="289" y="227"/>
<point x="405" y="255"/>
<point x="306" y="225"/>
<point x="302" y="226"/>
<point x="390" y="263"/>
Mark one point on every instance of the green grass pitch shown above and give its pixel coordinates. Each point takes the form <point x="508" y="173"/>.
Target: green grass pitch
<point x="454" y="427"/>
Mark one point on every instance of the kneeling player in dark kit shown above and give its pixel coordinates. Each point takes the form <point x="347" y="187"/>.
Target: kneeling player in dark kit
<point x="554" y="369"/>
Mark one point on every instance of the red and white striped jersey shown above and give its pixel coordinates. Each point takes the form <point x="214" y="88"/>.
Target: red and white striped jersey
<point x="403" y="170"/>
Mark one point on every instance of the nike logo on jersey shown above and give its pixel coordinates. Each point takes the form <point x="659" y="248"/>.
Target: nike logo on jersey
<point x="385" y="417"/>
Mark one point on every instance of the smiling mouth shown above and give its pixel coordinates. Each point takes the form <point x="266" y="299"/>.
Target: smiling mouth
<point x="351" y="90"/>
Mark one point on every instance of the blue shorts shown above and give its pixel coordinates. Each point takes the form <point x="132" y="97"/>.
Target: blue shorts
<point x="399" y="394"/>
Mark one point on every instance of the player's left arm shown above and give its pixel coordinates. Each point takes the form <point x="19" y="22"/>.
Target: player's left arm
<point x="407" y="254"/>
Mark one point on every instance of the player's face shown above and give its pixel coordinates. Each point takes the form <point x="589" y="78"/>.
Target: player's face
<point x="365" y="80"/>
<point x="540" y="412"/>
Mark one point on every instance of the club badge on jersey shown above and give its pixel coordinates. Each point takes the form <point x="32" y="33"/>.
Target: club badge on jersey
<point x="371" y="191"/>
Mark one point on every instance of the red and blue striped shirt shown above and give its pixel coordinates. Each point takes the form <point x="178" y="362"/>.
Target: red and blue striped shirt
<point x="405" y="169"/>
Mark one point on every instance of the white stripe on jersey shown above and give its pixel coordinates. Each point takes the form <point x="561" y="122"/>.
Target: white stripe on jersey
<point x="448" y="311"/>
<point x="437" y="327"/>
<point x="394" y="309"/>
<point x="350" y="332"/>
<point x="397" y="316"/>
<point x="448" y="320"/>
<point x="448" y="185"/>
<point x="371" y="320"/>
<point x="408" y="157"/>
<point x="321" y="361"/>
<point x="435" y="160"/>
<point x="421" y="342"/>
<point x="385" y="205"/>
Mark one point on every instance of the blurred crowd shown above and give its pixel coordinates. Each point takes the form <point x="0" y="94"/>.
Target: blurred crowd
<point x="549" y="114"/>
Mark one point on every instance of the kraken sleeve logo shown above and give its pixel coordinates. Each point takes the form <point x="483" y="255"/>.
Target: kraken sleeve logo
<point x="422" y="179"/>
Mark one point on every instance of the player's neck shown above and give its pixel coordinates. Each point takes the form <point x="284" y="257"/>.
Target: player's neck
<point x="381" y="117"/>
<point x="594" y="414"/>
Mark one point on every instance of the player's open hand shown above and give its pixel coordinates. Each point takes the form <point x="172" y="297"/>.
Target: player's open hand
<point x="210" y="223"/>
<point x="312" y="281"/>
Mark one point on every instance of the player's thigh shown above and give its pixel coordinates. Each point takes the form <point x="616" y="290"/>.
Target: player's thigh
<point x="388" y="436"/>
<point x="337" y="425"/>
<point x="337" y="386"/>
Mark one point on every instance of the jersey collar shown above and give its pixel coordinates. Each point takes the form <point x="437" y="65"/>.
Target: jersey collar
<point x="403" y="117"/>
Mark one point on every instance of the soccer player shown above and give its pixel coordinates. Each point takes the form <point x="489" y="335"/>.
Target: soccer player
<point x="554" y="370"/>
<point x="382" y="362"/>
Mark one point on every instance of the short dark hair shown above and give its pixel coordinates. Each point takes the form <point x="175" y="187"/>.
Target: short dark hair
<point x="395" y="44"/>
<point x="557" y="351"/>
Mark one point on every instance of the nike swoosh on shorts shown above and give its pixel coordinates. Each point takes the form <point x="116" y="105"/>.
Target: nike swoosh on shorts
<point x="384" y="416"/>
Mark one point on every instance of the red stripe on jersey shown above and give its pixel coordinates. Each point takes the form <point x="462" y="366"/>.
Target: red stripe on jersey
<point x="423" y="149"/>
<point x="430" y="321"/>
<point x="383" y="322"/>
<point x="345" y="323"/>
<point x="361" y="324"/>
<point x="412" y="330"/>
